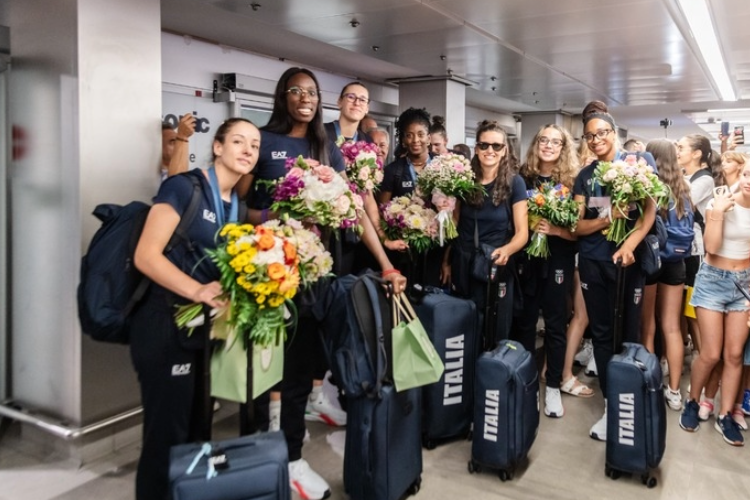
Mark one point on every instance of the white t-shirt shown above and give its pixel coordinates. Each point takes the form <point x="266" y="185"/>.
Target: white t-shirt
<point x="735" y="242"/>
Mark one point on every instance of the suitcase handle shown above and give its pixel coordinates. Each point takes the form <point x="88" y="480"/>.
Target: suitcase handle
<point x="381" y="356"/>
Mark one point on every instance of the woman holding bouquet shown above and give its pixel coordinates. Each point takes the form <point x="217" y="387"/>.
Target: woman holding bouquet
<point x="546" y="282"/>
<point x="165" y="358"/>
<point x="400" y="179"/>
<point x="497" y="214"/>
<point x="296" y="128"/>
<point x="597" y="255"/>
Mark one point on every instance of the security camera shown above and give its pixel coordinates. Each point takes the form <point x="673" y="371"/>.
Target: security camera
<point x="666" y="122"/>
<point x="354" y="23"/>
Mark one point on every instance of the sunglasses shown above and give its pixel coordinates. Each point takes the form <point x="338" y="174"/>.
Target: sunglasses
<point x="483" y="146"/>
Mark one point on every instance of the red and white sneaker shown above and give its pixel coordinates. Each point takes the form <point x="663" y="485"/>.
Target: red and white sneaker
<point x="306" y="482"/>
<point x="322" y="410"/>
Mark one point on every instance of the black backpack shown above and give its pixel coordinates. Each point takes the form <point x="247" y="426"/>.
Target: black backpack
<point x="111" y="286"/>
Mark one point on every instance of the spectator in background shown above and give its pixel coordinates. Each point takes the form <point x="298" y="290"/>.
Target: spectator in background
<point x="463" y="150"/>
<point x="382" y="140"/>
<point x="438" y="136"/>
<point x="367" y="124"/>
<point x="634" y="146"/>
<point x="353" y="103"/>
<point x="175" y="150"/>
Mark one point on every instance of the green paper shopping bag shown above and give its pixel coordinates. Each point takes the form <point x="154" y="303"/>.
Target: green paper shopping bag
<point x="229" y="369"/>
<point x="415" y="360"/>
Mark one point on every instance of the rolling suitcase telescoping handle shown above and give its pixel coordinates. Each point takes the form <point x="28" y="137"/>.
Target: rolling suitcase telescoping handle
<point x="490" y="308"/>
<point x="619" y="305"/>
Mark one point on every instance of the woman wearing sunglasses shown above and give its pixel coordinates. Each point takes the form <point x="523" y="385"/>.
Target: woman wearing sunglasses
<point x="547" y="283"/>
<point x="597" y="256"/>
<point x="497" y="217"/>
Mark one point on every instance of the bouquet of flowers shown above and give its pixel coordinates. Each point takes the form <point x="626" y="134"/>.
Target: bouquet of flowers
<point x="555" y="204"/>
<point x="407" y="218"/>
<point x="443" y="179"/>
<point x="628" y="181"/>
<point x="315" y="261"/>
<point x="318" y="194"/>
<point x="362" y="165"/>
<point x="259" y="268"/>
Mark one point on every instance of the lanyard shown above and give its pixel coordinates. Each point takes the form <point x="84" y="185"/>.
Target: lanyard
<point x="218" y="203"/>
<point x="337" y="127"/>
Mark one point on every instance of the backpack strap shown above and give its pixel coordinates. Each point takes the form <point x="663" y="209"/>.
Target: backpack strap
<point x="180" y="235"/>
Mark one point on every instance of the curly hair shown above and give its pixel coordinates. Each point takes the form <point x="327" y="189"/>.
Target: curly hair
<point x="567" y="165"/>
<point x="507" y="169"/>
<point x="409" y="116"/>
<point x="670" y="174"/>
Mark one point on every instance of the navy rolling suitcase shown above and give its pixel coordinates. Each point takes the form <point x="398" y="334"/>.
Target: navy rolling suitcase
<point x="453" y="326"/>
<point x="251" y="467"/>
<point x="244" y="468"/>
<point x="506" y="400"/>
<point x="506" y="409"/>
<point x="383" y="449"/>
<point x="636" y="411"/>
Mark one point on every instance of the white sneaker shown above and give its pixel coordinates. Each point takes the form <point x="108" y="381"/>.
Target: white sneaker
<point x="322" y="410"/>
<point x="553" y="403"/>
<point x="599" y="429"/>
<point x="586" y="353"/>
<point x="590" y="369"/>
<point x="306" y="482"/>
<point x="674" y="398"/>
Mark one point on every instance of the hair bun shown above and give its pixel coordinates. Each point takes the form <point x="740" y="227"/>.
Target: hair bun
<point x="438" y="121"/>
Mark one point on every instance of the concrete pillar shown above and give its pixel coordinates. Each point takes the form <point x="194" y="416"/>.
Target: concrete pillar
<point x="442" y="96"/>
<point x="85" y="96"/>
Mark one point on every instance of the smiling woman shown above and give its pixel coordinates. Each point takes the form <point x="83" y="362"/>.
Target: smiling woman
<point x="180" y="277"/>
<point x="296" y="129"/>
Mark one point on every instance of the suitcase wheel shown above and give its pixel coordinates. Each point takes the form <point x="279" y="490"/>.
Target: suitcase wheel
<point x="474" y="467"/>
<point x="415" y="486"/>
<point x="649" y="481"/>
<point x="429" y="444"/>
<point x="505" y="475"/>
<point x="612" y="473"/>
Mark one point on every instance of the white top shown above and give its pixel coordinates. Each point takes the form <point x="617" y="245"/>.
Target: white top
<point x="701" y="192"/>
<point x="735" y="243"/>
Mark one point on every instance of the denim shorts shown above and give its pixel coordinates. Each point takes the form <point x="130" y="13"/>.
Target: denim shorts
<point x="714" y="289"/>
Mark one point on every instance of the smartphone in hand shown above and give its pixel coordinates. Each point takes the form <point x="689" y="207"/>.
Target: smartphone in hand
<point x="725" y="129"/>
<point x="739" y="134"/>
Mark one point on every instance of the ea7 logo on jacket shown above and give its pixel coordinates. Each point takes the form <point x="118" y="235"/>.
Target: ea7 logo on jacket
<point x="179" y="370"/>
<point x="491" y="404"/>
<point x="209" y="216"/>
<point x="454" y="370"/>
<point x="626" y="420"/>
<point x="278" y="155"/>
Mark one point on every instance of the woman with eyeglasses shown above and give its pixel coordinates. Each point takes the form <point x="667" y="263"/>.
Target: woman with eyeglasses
<point x="597" y="256"/>
<point x="498" y="217"/>
<point x="353" y="103"/>
<point x="296" y="128"/>
<point x="546" y="283"/>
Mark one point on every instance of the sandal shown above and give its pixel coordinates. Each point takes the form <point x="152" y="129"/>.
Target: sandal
<point x="575" y="387"/>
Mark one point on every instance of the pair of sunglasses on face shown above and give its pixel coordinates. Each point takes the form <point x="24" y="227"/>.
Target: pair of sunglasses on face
<point x="496" y="146"/>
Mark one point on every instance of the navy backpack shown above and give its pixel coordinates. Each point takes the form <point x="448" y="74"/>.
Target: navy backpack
<point x="680" y="234"/>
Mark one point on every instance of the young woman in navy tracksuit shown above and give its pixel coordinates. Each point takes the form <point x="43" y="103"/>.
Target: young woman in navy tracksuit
<point x="546" y="283"/>
<point x="597" y="256"/>
<point x="166" y="360"/>
<point x="296" y="128"/>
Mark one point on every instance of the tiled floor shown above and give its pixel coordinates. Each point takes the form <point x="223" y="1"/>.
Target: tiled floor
<point x="564" y="463"/>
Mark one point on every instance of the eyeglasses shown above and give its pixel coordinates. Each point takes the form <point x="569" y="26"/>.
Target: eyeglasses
<point x="556" y="143"/>
<point x="299" y="93"/>
<point x="483" y="146"/>
<point x="356" y="98"/>
<point x="600" y="134"/>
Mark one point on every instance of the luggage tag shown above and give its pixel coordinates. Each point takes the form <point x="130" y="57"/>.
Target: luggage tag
<point x="218" y="459"/>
